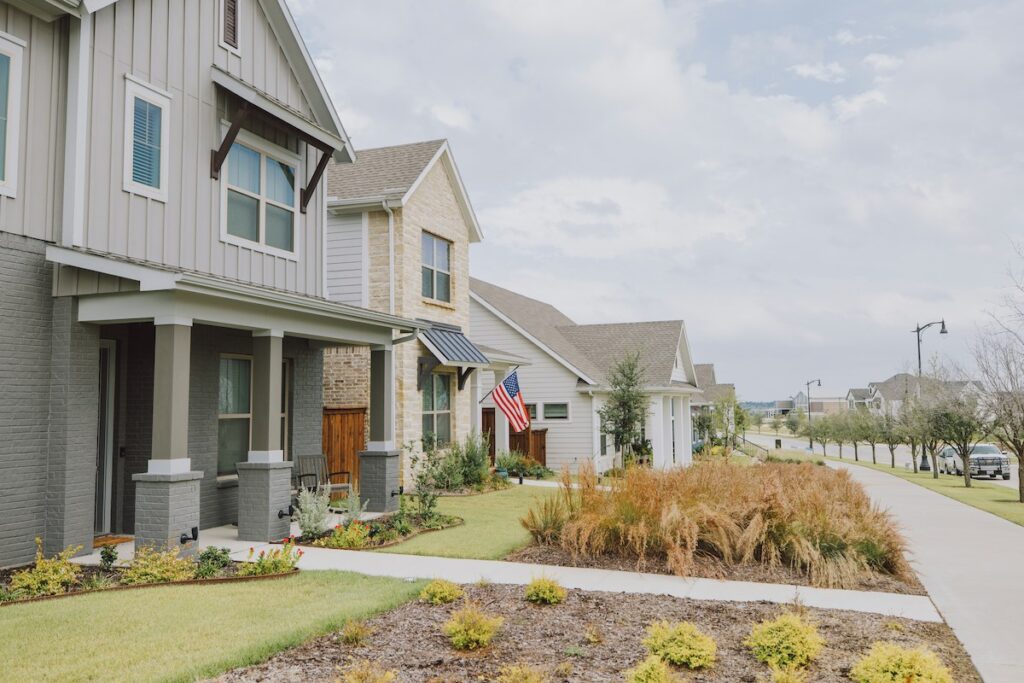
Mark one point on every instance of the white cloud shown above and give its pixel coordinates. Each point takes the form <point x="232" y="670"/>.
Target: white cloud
<point x="847" y="37"/>
<point x="832" y="72"/>
<point x="451" y="115"/>
<point x="847" y="108"/>
<point x="882" y="62"/>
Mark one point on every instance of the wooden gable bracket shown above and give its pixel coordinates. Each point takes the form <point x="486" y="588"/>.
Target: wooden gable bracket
<point x="424" y="366"/>
<point x="307" y="192"/>
<point x="464" y="374"/>
<point x="218" y="155"/>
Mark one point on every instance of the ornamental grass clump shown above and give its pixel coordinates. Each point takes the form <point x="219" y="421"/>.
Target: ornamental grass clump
<point x="681" y="644"/>
<point x="49" y="575"/>
<point x="441" y="592"/>
<point x="521" y="673"/>
<point x="355" y="632"/>
<point x="786" y="642"/>
<point x="815" y="520"/>
<point x="470" y="628"/>
<point x="890" y="663"/>
<point x="652" y="670"/>
<point x="158" y="566"/>
<point x="543" y="591"/>
<point x="365" y="671"/>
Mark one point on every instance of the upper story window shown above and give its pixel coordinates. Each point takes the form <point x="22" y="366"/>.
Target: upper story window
<point x="260" y="197"/>
<point x="10" y="112"/>
<point x="437" y="409"/>
<point x="147" y="139"/>
<point x="437" y="278"/>
<point x="229" y="24"/>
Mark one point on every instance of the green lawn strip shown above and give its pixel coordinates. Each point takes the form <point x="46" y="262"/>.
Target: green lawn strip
<point x="492" y="529"/>
<point x="1001" y="501"/>
<point x="183" y="633"/>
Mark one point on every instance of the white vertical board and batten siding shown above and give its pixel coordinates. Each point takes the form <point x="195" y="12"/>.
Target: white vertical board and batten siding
<point x="172" y="44"/>
<point x="345" y="246"/>
<point x="36" y="209"/>
<point x="545" y="380"/>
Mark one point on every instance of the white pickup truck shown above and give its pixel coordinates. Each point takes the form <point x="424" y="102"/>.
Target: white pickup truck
<point x="986" y="461"/>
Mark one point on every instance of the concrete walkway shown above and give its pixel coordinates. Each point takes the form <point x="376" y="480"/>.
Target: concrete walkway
<point x="970" y="562"/>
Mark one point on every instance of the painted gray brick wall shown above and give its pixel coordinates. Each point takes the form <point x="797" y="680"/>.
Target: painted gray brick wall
<point x="263" y="490"/>
<point x="166" y="506"/>
<point x="307" y="397"/>
<point x="378" y="477"/>
<point x="25" y="311"/>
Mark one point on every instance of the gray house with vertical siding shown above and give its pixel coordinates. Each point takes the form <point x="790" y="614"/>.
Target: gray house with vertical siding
<point x="162" y="289"/>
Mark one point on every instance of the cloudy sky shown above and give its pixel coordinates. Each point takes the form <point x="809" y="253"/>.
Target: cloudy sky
<point x="800" y="181"/>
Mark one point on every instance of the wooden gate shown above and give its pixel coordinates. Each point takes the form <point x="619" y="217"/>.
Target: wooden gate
<point x="487" y="425"/>
<point x="344" y="435"/>
<point x="531" y="442"/>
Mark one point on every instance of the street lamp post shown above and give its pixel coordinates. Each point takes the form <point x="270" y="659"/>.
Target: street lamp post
<point x="810" y="437"/>
<point x="925" y="467"/>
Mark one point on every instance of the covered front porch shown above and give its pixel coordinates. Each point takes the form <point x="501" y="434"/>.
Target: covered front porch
<point x="209" y="391"/>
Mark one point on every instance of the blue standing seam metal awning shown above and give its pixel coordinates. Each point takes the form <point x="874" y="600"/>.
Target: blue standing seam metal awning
<point x="450" y="347"/>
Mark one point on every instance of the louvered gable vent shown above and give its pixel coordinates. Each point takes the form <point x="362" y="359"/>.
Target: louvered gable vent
<point x="231" y="22"/>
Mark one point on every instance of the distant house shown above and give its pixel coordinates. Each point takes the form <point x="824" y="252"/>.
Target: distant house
<point x="566" y="383"/>
<point x="711" y="391"/>
<point x="888" y="396"/>
<point x="858" y="398"/>
<point x="823" y="401"/>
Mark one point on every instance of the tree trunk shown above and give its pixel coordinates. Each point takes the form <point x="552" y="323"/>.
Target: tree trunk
<point x="892" y="454"/>
<point x="913" y="455"/>
<point x="935" y="464"/>
<point x="967" y="470"/>
<point x="874" y="460"/>
<point x="1020" y="478"/>
<point x="856" y="452"/>
<point x="840" y="449"/>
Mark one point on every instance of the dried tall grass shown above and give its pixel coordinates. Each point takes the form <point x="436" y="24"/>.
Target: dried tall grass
<point x="813" y="519"/>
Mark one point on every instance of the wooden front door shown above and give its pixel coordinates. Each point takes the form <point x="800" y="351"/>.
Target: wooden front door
<point x="487" y="425"/>
<point x="344" y="436"/>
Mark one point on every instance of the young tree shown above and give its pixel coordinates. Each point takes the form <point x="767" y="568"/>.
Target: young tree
<point x="872" y="433"/>
<point x="625" y="411"/>
<point x="839" y="426"/>
<point x="890" y="432"/>
<point x="795" y="422"/>
<point x="756" y="419"/>
<point x="962" y="423"/>
<point x="1000" y="361"/>
<point x="858" y="429"/>
<point x="823" y="432"/>
<point x="776" y="423"/>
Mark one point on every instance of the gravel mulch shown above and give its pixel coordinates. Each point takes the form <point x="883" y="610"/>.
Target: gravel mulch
<point x="708" y="568"/>
<point x="555" y="638"/>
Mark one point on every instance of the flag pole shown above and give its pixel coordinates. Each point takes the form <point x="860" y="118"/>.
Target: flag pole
<point x="496" y="386"/>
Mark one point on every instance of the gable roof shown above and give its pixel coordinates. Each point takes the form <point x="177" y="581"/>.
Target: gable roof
<point x="590" y="351"/>
<point x="705" y="374"/>
<point x="710" y="390"/>
<point x="392" y="174"/>
<point x="897" y="387"/>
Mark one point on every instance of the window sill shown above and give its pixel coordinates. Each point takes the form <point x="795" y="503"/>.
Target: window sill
<point x="227" y="481"/>
<point x="439" y="304"/>
<point x="228" y="238"/>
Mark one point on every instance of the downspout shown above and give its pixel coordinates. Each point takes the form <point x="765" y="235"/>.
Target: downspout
<point x="391" y="256"/>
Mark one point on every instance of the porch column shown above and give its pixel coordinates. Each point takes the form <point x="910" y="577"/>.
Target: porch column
<point x="167" y="494"/>
<point x="685" y="418"/>
<point x="682" y="415"/>
<point x="380" y="463"/>
<point x="264" y="480"/>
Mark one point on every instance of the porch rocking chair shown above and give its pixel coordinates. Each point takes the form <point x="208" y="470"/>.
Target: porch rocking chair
<point x="311" y="472"/>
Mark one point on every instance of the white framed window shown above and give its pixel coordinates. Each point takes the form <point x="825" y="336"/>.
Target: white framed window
<point x="437" y="408"/>
<point x="260" y="197"/>
<point x="11" y="49"/>
<point x="234" y="412"/>
<point x="228" y="19"/>
<point x="556" y="411"/>
<point x="147" y="135"/>
<point x="437" y="278"/>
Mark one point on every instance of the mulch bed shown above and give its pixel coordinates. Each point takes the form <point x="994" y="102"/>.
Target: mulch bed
<point x="409" y="640"/>
<point x="376" y="525"/>
<point x="706" y="567"/>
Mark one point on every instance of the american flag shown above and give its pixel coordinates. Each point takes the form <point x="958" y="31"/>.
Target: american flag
<point x="509" y="398"/>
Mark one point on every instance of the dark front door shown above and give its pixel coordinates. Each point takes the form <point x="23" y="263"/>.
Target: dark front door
<point x="104" y="438"/>
<point x="487" y="426"/>
<point x="344" y="435"/>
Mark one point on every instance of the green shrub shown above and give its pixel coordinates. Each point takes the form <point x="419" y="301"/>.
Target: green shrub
<point x="49" y="576"/>
<point x="441" y="592"/>
<point x="788" y="676"/>
<point x="544" y="591"/>
<point x="521" y="673"/>
<point x="785" y="642"/>
<point x="212" y="561"/>
<point x="312" y="510"/>
<point x="473" y="455"/>
<point x="108" y="556"/>
<point x="470" y="628"/>
<point x="652" y="670"/>
<point x="682" y="644"/>
<point x="510" y="462"/>
<point x="366" y="671"/>
<point x="355" y="632"/>
<point x="277" y="561"/>
<point x="353" y="536"/>
<point x="354" y="509"/>
<point x="890" y="663"/>
<point x="153" y="566"/>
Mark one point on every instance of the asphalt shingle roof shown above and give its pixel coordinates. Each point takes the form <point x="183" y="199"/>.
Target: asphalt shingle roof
<point x="382" y="171"/>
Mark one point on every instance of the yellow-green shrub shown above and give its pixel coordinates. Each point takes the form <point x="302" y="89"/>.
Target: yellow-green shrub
<point x="652" y="670"/>
<point x="788" y="676"/>
<point x="49" y="576"/>
<point x="441" y="592"/>
<point x="682" y="644"/>
<point x="153" y="566"/>
<point x="890" y="663"/>
<point x="521" y="673"/>
<point x="366" y="671"/>
<point x="355" y="632"/>
<point x="785" y="642"/>
<point x="544" y="591"/>
<point x="470" y="628"/>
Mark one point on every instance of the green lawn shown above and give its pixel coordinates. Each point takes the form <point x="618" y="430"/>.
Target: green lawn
<point x="491" y="531"/>
<point x="1001" y="501"/>
<point x="181" y="633"/>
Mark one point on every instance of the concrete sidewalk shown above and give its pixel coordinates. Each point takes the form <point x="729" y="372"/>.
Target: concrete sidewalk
<point x="970" y="562"/>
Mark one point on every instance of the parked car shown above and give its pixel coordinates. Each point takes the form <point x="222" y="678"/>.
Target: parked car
<point x="986" y="461"/>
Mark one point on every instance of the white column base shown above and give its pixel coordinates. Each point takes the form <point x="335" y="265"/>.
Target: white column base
<point x="380" y="446"/>
<point x="169" y="466"/>
<point x="266" y="456"/>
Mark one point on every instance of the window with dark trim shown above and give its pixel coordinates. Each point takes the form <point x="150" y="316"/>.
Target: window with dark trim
<point x="531" y="409"/>
<point x="229" y="27"/>
<point x="437" y="278"/>
<point x="556" y="411"/>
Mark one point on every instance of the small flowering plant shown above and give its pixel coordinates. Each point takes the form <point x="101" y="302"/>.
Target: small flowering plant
<point x="276" y="561"/>
<point x="353" y="536"/>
